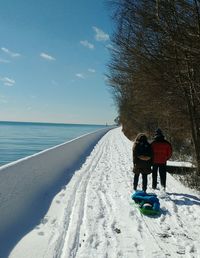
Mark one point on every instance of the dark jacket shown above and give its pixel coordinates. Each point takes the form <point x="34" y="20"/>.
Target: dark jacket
<point x="162" y="150"/>
<point x="140" y="150"/>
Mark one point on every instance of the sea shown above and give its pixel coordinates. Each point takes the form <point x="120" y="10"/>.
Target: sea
<point x="22" y="139"/>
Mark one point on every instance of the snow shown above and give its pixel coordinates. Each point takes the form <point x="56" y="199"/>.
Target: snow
<point x="94" y="216"/>
<point x="28" y="185"/>
<point x="180" y="164"/>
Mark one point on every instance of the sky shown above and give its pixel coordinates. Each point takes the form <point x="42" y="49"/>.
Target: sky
<point x="53" y="61"/>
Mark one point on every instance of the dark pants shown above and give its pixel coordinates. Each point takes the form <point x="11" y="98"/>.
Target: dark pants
<point x="162" y="172"/>
<point x="144" y="181"/>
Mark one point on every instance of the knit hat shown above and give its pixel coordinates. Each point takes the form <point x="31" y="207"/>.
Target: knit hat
<point x="158" y="134"/>
<point x="158" y="131"/>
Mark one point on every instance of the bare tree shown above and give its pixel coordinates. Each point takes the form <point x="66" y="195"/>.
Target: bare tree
<point x="155" y="67"/>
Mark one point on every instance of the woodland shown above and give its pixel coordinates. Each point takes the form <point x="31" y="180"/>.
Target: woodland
<point x="154" y="71"/>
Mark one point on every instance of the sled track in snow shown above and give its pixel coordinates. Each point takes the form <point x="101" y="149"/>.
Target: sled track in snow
<point x="98" y="189"/>
<point x="167" y="238"/>
<point x="162" y="233"/>
<point x="68" y="243"/>
<point x="95" y="217"/>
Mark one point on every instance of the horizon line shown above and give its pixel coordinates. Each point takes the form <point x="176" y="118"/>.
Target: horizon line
<point x="54" y="123"/>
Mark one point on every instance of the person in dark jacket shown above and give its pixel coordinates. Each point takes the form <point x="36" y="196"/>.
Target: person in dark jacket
<point x="142" y="155"/>
<point x="162" y="151"/>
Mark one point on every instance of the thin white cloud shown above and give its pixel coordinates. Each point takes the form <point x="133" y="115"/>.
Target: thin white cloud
<point x="91" y="70"/>
<point x="7" y="81"/>
<point x="53" y="82"/>
<point x="87" y="44"/>
<point x="100" y="34"/>
<point x="10" y="53"/>
<point x="80" y="75"/>
<point x="33" y="97"/>
<point x="106" y="79"/>
<point x="3" y="99"/>
<point x="47" y="57"/>
<point x="110" y="47"/>
<point x="5" y="61"/>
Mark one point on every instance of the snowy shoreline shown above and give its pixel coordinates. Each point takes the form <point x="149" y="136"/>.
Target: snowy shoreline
<point x="93" y="216"/>
<point x="28" y="185"/>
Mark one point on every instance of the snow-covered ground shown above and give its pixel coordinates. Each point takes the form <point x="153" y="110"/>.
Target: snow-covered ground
<point x="93" y="216"/>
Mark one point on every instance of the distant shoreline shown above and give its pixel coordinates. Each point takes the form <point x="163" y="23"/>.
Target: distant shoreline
<point x="49" y="123"/>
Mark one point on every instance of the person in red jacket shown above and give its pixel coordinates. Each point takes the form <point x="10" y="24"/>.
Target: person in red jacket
<point x="162" y="151"/>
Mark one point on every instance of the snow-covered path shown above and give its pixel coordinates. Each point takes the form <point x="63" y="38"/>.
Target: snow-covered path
<point x="93" y="215"/>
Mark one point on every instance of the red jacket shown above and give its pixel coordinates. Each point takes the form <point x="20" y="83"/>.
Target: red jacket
<point x="162" y="151"/>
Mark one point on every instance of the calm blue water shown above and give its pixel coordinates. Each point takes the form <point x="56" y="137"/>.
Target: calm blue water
<point x="18" y="139"/>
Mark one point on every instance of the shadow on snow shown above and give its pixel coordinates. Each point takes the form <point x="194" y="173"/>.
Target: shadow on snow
<point x="40" y="205"/>
<point x="186" y="199"/>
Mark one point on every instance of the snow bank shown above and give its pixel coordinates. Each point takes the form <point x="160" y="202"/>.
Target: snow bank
<point x="94" y="216"/>
<point x="184" y="164"/>
<point x="28" y="185"/>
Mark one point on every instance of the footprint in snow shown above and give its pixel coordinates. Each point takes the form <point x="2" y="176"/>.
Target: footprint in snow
<point x="53" y="221"/>
<point x="162" y="218"/>
<point x="174" y="207"/>
<point x="41" y="233"/>
<point x="90" y="206"/>
<point x="181" y="250"/>
<point x="190" y="248"/>
<point x="132" y="213"/>
<point x="44" y="221"/>
<point x="139" y="227"/>
<point x="117" y="230"/>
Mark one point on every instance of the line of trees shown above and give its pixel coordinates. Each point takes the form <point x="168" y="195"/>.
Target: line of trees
<point x="154" y="71"/>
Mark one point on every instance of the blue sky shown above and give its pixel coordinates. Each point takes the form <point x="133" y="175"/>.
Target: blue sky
<point x="53" y="61"/>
